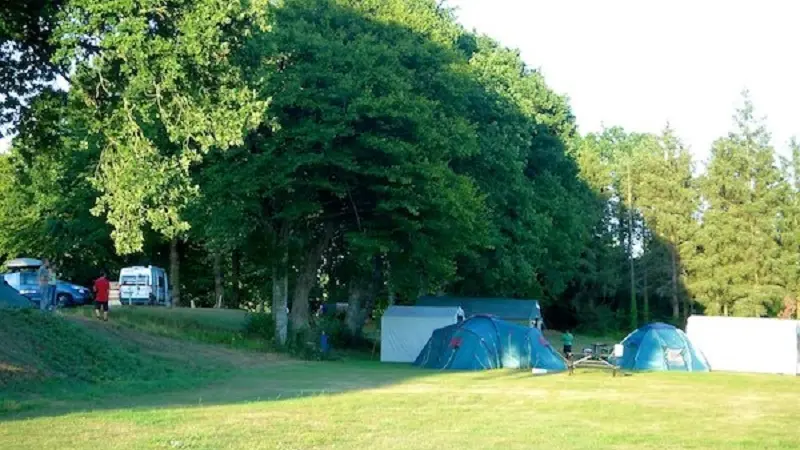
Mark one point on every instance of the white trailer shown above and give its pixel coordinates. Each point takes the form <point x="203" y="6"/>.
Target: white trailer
<point x="747" y="344"/>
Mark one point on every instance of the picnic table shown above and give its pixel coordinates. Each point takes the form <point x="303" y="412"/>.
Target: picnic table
<point x="596" y="357"/>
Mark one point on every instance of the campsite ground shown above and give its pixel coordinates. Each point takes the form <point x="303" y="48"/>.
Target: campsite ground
<point x="220" y="396"/>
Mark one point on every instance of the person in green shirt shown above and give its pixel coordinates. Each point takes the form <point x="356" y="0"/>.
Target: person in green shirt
<point x="566" y="339"/>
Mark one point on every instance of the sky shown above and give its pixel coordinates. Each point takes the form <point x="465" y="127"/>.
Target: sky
<point x="641" y="64"/>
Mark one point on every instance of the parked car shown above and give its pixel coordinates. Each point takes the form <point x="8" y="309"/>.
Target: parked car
<point x="22" y="276"/>
<point x="144" y="286"/>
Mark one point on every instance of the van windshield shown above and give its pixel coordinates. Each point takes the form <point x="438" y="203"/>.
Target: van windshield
<point x="28" y="278"/>
<point x="138" y="280"/>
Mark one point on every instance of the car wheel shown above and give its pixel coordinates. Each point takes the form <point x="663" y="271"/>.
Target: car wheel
<point x="63" y="300"/>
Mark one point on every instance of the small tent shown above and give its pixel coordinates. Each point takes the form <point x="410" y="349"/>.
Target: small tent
<point x="485" y="342"/>
<point x="10" y="298"/>
<point x="747" y="344"/>
<point x="406" y="329"/>
<point x="661" y="347"/>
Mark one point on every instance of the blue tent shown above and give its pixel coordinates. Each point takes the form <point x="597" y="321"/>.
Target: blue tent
<point x="484" y="342"/>
<point x="661" y="347"/>
<point x="10" y="298"/>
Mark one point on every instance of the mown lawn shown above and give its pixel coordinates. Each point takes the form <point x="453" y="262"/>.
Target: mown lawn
<point x="157" y="383"/>
<point x="360" y="405"/>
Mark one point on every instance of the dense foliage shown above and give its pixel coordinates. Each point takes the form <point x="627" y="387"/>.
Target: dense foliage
<point x="369" y="151"/>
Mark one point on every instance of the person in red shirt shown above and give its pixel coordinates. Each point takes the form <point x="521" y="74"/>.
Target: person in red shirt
<point x="101" y="288"/>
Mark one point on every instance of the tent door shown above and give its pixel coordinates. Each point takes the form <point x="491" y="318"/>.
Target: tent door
<point x="674" y="357"/>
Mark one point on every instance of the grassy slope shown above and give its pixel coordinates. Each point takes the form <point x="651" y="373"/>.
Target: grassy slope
<point x="211" y="326"/>
<point x="284" y="404"/>
<point x="50" y="359"/>
<point x="44" y="347"/>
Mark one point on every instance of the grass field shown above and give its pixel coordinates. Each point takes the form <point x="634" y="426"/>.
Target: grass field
<point x="257" y="400"/>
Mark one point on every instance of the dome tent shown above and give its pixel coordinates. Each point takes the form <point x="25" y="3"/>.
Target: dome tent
<point x="484" y="342"/>
<point x="661" y="347"/>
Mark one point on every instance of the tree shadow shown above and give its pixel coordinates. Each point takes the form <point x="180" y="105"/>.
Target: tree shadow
<point x="276" y="382"/>
<point x="270" y="383"/>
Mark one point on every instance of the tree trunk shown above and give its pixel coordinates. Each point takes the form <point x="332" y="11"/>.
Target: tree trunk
<point x="280" y="288"/>
<point x="645" y="296"/>
<point x="363" y="294"/>
<point x="389" y="286"/>
<point x="674" y="269"/>
<point x="236" y="269"/>
<point x="306" y="279"/>
<point x="174" y="271"/>
<point x="634" y="307"/>
<point x="219" y="290"/>
<point x="357" y="292"/>
<point x="374" y="290"/>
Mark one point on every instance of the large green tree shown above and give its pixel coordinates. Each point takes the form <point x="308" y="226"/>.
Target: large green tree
<point x="531" y="183"/>
<point x="611" y="162"/>
<point x="164" y="79"/>
<point x="667" y="200"/>
<point x="736" y="270"/>
<point x="366" y="115"/>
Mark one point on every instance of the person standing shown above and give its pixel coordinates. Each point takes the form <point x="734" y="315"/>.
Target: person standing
<point x="567" y="339"/>
<point x="53" y="287"/>
<point x="44" y="275"/>
<point x="101" y="290"/>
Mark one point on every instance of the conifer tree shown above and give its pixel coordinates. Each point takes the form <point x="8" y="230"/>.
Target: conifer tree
<point x="737" y="271"/>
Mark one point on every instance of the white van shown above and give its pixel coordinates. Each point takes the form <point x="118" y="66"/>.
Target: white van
<point x="144" y="286"/>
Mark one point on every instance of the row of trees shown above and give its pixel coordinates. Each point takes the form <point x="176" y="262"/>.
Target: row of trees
<point x="351" y="149"/>
<point x="724" y="241"/>
<point x="365" y="151"/>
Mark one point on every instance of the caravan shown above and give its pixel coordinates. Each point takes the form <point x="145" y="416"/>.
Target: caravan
<point x="144" y="286"/>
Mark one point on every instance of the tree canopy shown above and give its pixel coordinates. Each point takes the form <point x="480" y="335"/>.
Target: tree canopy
<point x="368" y="152"/>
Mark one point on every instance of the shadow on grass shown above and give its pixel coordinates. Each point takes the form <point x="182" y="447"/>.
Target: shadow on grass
<point x="272" y="381"/>
<point x="75" y="364"/>
<point x="183" y="370"/>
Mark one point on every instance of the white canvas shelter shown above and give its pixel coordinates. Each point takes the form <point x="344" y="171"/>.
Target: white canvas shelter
<point x="406" y="329"/>
<point x="745" y="344"/>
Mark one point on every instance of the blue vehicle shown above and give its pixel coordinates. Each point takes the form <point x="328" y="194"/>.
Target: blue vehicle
<point x="22" y="276"/>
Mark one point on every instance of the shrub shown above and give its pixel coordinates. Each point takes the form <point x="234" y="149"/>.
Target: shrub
<point x="261" y="325"/>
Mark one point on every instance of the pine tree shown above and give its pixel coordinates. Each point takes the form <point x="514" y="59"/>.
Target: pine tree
<point x="737" y="267"/>
<point x="667" y="201"/>
<point x="789" y="231"/>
